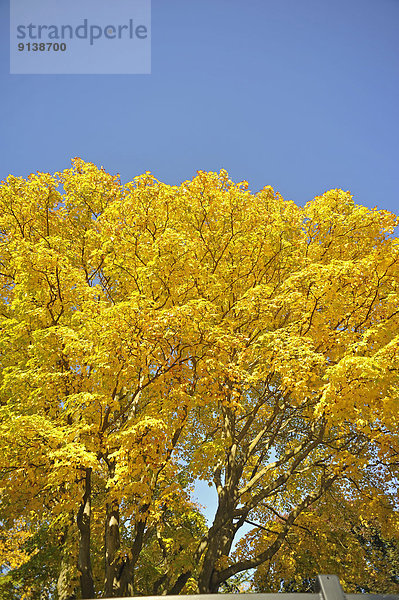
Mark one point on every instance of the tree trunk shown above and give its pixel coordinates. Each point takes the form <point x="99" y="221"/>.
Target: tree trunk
<point x="124" y="580"/>
<point x="112" y="544"/>
<point x="65" y="589"/>
<point x="220" y="540"/>
<point x="180" y="583"/>
<point x="66" y="581"/>
<point x="83" y="522"/>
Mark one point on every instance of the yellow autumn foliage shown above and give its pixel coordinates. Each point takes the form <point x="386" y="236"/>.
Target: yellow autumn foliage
<point x="152" y="335"/>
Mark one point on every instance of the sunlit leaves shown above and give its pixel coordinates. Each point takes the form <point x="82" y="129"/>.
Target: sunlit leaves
<point x="155" y="334"/>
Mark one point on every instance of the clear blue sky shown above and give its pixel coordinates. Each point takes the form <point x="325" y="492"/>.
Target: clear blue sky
<point x="298" y="94"/>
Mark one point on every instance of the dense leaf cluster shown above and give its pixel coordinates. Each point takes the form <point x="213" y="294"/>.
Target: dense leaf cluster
<point x="151" y="335"/>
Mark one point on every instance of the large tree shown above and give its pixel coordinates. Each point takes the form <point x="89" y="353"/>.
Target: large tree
<point x="152" y="335"/>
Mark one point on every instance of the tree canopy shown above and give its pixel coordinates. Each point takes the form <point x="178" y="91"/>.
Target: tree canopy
<point x="153" y="335"/>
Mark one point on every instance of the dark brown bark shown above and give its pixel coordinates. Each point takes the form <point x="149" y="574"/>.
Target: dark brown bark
<point x="66" y="589"/>
<point x="124" y="577"/>
<point x="180" y="583"/>
<point x="112" y="544"/>
<point x="220" y="539"/>
<point x="83" y="522"/>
